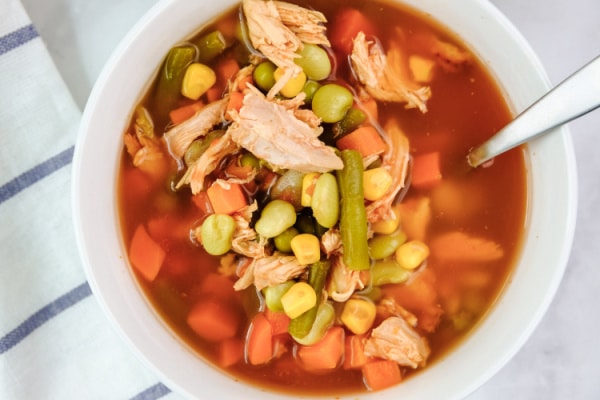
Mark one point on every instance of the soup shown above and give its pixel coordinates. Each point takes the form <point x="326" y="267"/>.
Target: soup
<point x="295" y="198"/>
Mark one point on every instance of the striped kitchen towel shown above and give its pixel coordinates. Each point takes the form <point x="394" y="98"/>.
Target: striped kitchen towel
<point x="55" y="342"/>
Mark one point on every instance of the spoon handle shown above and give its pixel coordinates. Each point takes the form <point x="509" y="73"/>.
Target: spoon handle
<point x="572" y="98"/>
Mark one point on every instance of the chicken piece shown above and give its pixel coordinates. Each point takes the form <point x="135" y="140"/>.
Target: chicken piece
<point x="395" y="340"/>
<point x="307" y="25"/>
<point x="277" y="29"/>
<point x="245" y="240"/>
<point x="269" y="271"/>
<point x="343" y="282"/>
<point x="388" y="306"/>
<point x="331" y="242"/>
<point x="181" y="136"/>
<point x="208" y="162"/>
<point x="273" y="133"/>
<point x="395" y="161"/>
<point x="384" y="76"/>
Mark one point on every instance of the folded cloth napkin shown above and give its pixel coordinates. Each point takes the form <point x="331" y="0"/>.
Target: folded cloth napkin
<point x="55" y="342"/>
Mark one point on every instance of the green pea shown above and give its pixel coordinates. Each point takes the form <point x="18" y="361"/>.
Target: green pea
<point x="309" y="89"/>
<point x="382" y="246"/>
<point x="275" y="218"/>
<point x="325" y="201"/>
<point x="388" y="271"/>
<point x="273" y="295"/>
<point x="331" y="102"/>
<point x="314" y="61"/>
<point x="264" y="75"/>
<point x="216" y="233"/>
<point x="283" y="240"/>
<point x="249" y="160"/>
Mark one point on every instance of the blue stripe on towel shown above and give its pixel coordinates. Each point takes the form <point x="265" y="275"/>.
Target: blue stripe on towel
<point x="17" y="38"/>
<point x="43" y="315"/>
<point x="153" y="392"/>
<point x="40" y="171"/>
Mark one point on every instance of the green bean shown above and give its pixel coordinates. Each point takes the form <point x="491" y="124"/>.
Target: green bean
<point x="264" y="75"/>
<point x="275" y="218"/>
<point x="273" y="295"/>
<point x="353" y="118"/>
<point x="314" y="61"/>
<point x="388" y="271"/>
<point x="143" y="122"/>
<point x="216" y="233"/>
<point x="382" y="246"/>
<point x="331" y="102"/>
<point x="210" y="46"/>
<point x="353" y="216"/>
<point x="200" y="145"/>
<point x="309" y="89"/>
<point x="283" y="240"/>
<point x="325" y="202"/>
<point x="301" y="326"/>
<point x="324" y="318"/>
<point x="168" y="88"/>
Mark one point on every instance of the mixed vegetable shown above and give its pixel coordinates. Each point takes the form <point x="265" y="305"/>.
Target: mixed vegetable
<point x="300" y="184"/>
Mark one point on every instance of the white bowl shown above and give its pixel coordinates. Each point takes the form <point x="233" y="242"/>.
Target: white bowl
<point x="550" y="217"/>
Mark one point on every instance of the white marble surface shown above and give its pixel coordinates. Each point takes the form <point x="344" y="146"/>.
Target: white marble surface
<point x="561" y="360"/>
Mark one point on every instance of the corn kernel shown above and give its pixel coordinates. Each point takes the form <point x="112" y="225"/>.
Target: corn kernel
<point x="300" y="298"/>
<point x="293" y="86"/>
<point x="358" y="315"/>
<point x="198" y="78"/>
<point x="387" y="226"/>
<point x="412" y="254"/>
<point x="376" y="183"/>
<point x="306" y="248"/>
<point x="308" y="186"/>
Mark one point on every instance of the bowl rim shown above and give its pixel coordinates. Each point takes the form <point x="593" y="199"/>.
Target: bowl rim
<point x="132" y="327"/>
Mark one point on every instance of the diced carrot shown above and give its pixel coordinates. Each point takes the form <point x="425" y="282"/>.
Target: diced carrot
<point x="259" y="346"/>
<point x="326" y="354"/>
<point x="279" y="321"/>
<point x="214" y="93"/>
<point x="180" y="114"/>
<point x="354" y="355"/>
<point x="458" y="246"/>
<point x="346" y="24"/>
<point x="202" y="201"/>
<point x="226" y="199"/>
<point x="145" y="254"/>
<point x="217" y="286"/>
<point x="426" y="169"/>
<point x="381" y="374"/>
<point x="365" y="139"/>
<point x="213" y="320"/>
<point x="244" y="82"/>
<point x="227" y="69"/>
<point x="236" y="101"/>
<point x="230" y="352"/>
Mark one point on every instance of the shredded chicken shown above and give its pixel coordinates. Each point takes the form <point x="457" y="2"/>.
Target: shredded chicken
<point x="331" y="242"/>
<point x="270" y="271"/>
<point x="208" y="162"/>
<point x="395" y="161"/>
<point x="343" y="282"/>
<point x="273" y="133"/>
<point x="181" y="136"/>
<point x="383" y="76"/>
<point x="388" y="306"/>
<point x="245" y="240"/>
<point x="277" y="29"/>
<point x="142" y="145"/>
<point x="395" y="340"/>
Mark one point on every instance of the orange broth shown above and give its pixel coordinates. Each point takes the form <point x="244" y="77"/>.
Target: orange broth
<point x="465" y="108"/>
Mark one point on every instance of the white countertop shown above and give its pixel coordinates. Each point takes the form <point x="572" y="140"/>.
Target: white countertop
<point x="561" y="360"/>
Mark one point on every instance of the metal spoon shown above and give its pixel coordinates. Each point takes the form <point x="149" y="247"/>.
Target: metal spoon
<point x="572" y="98"/>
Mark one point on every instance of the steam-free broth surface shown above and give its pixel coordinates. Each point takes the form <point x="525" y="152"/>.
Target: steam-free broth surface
<point x="470" y="221"/>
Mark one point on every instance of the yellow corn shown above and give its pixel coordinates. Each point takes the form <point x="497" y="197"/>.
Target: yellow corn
<point x="376" y="183"/>
<point x="198" y="78"/>
<point x="412" y="254"/>
<point x="308" y="186"/>
<point x="358" y="315"/>
<point x="387" y="226"/>
<point x="300" y="298"/>
<point x="306" y="248"/>
<point x="293" y="86"/>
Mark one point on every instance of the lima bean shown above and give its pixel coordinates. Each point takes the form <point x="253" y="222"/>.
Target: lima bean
<point x="331" y="102"/>
<point x="325" y="201"/>
<point x="382" y="246"/>
<point x="216" y="233"/>
<point x="275" y="218"/>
